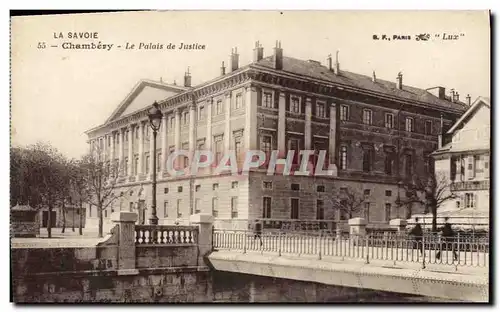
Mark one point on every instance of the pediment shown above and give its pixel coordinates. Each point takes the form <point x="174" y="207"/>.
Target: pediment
<point x="143" y="95"/>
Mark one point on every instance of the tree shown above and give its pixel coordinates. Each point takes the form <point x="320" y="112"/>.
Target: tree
<point x="430" y="191"/>
<point x="43" y="177"/>
<point x="101" y="178"/>
<point x="79" y="189"/>
<point x="348" y="202"/>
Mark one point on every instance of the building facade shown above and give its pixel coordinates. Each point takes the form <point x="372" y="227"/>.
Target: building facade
<point x="377" y="135"/>
<point x="464" y="163"/>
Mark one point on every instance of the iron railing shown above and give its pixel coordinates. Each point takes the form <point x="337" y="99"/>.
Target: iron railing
<point x="391" y="247"/>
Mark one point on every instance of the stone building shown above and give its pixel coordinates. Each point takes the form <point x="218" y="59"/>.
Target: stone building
<point x="375" y="132"/>
<point x="464" y="163"/>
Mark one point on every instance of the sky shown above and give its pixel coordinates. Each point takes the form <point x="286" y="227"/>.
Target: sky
<point x="58" y="94"/>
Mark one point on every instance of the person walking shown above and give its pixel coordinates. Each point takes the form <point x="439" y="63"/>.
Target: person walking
<point x="447" y="236"/>
<point x="257" y="231"/>
<point x="417" y="235"/>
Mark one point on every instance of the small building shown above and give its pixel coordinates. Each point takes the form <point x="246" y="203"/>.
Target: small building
<point x="71" y="216"/>
<point x="464" y="160"/>
<point x="24" y="221"/>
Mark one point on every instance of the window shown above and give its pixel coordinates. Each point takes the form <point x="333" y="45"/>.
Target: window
<point x="197" y="205"/>
<point x="238" y="101"/>
<point x="320" y="188"/>
<point x="234" y="184"/>
<point x="294" y="212"/>
<point x="179" y="189"/>
<point x="409" y="165"/>
<point x="367" y="159"/>
<point x="105" y="213"/>
<point x="158" y="162"/>
<point x="201" y="112"/>
<point x="136" y="131"/>
<point x="136" y="165"/>
<point x="267" y="100"/>
<point x="409" y="124"/>
<point x="320" y="110"/>
<point x="218" y="107"/>
<point x="343" y="157"/>
<point x="293" y="145"/>
<point x="388" y="162"/>
<point x="267" y="185"/>
<point x="320" y="210"/>
<point x="131" y="206"/>
<point x="165" y="190"/>
<point x="185" y="118"/>
<point x="367" y="211"/>
<point x="295" y="187"/>
<point x="146" y="128"/>
<point x="266" y="207"/>
<point x="344" y="112"/>
<point x="295" y="105"/>
<point x="428" y="127"/>
<point x="126" y="138"/>
<point x="179" y="205"/>
<point x="215" y="206"/>
<point x="387" y="212"/>
<point x="265" y="145"/>
<point x="470" y="200"/>
<point x="389" y="120"/>
<point x="147" y="164"/>
<point x="388" y="193"/>
<point x="367" y="116"/>
<point x="453" y="168"/>
<point x="201" y="145"/>
<point x="366" y="192"/>
<point x="165" y="209"/>
<point x="215" y="186"/>
<point x="126" y="166"/>
<point x="234" y="207"/>
<point x="218" y="148"/>
<point x="237" y="145"/>
<point x="172" y="122"/>
<point x="78" y="211"/>
<point x="197" y="188"/>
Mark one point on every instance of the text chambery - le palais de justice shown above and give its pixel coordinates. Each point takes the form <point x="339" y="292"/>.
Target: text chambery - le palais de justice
<point x="90" y="41"/>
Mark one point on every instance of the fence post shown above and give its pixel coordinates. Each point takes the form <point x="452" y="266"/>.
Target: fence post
<point x="125" y="221"/>
<point x="357" y="228"/>
<point x="423" y="251"/>
<point x="279" y="242"/>
<point x="320" y="236"/>
<point x="205" y="239"/>
<point x="245" y="238"/>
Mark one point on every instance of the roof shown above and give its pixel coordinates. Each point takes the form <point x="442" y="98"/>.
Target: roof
<point x="478" y="102"/>
<point x="23" y="208"/>
<point x="316" y="70"/>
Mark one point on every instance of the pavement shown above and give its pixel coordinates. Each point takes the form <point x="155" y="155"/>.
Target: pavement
<point x="69" y="239"/>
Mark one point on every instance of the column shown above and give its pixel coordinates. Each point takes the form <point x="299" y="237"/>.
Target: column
<point x="332" y="140"/>
<point x="120" y="151"/>
<point x="105" y="147"/>
<point x="164" y="143"/>
<point x="205" y="225"/>
<point x="208" y="139"/>
<point x="227" y="123"/>
<point x="282" y="124"/>
<point x="192" y="127"/>
<point x="250" y="118"/>
<point x="126" y="238"/>
<point x="130" y="150"/>
<point x="177" y="133"/>
<point x="112" y="148"/>
<point x="307" y="129"/>
<point x="140" y="169"/>
<point x="152" y="153"/>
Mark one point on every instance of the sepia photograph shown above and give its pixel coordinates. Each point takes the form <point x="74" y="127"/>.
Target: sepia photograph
<point x="250" y="157"/>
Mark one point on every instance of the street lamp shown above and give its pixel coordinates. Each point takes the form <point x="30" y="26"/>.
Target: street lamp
<point x="155" y="115"/>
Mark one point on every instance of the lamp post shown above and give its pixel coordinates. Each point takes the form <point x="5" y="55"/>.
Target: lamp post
<point x="155" y="115"/>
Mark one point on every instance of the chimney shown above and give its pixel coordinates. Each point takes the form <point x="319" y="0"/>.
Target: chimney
<point x="329" y="60"/>
<point x="457" y="97"/>
<point x="399" y="81"/>
<point x="467" y="99"/>
<point x="258" y="52"/>
<point x="234" y="59"/>
<point x="440" y="135"/>
<point x="374" y="77"/>
<point x="452" y="95"/>
<point x="222" y="69"/>
<point x="187" y="79"/>
<point x="278" y="56"/>
<point x="337" y="64"/>
<point x="439" y="92"/>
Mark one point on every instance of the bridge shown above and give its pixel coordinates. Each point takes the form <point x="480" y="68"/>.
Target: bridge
<point x="163" y="258"/>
